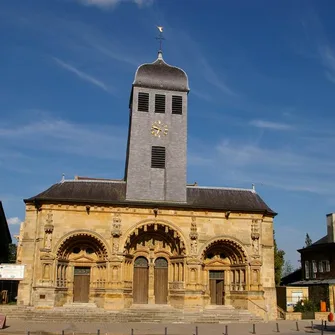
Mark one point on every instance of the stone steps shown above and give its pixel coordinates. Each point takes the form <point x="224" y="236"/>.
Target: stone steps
<point x="166" y="314"/>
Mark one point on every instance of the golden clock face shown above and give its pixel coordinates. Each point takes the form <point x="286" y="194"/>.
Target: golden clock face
<point x="158" y="129"/>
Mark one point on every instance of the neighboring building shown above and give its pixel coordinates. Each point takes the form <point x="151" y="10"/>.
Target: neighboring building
<point x="149" y="238"/>
<point x="5" y="238"/>
<point x="289" y="296"/>
<point x="318" y="266"/>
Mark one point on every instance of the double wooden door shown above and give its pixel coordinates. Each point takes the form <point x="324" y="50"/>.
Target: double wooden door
<point x="216" y="287"/>
<point x="141" y="281"/>
<point x="81" y="284"/>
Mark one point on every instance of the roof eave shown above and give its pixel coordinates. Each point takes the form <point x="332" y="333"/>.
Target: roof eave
<point x="144" y="203"/>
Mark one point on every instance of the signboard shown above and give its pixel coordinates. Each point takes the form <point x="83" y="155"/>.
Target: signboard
<point x="11" y="272"/>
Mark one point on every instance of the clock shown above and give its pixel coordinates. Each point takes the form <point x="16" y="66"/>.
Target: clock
<point x="158" y="129"/>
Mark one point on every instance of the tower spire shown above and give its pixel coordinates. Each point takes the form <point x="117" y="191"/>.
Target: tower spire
<point x="160" y="38"/>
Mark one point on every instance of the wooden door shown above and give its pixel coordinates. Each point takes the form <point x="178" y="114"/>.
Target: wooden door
<point x="219" y="292"/>
<point x="161" y="281"/>
<point x="81" y="285"/>
<point x="216" y="287"/>
<point x="140" y="281"/>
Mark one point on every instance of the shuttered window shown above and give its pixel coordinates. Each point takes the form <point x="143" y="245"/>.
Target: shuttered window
<point x="177" y="104"/>
<point x="143" y="102"/>
<point x="159" y="103"/>
<point x="158" y="157"/>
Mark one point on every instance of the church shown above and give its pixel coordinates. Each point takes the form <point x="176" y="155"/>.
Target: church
<point x="149" y="238"/>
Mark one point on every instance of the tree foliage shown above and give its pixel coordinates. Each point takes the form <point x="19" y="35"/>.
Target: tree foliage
<point x="308" y="240"/>
<point x="12" y="248"/>
<point x="278" y="261"/>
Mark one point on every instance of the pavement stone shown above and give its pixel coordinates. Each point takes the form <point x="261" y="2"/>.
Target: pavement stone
<point x="20" y="327"/>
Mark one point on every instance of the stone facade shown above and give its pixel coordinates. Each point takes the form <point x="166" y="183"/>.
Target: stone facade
<point x="194" y="242"/>
<point x="149" y="239"/>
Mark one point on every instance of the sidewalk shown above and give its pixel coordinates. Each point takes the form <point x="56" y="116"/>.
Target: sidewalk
<point x="18" y="327"/>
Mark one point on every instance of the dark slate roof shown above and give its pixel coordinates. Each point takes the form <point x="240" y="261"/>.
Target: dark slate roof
<point x="313" y="282"/>
<point x="160" y="75"/>
<point x="5" y="237"/>
<point x="291" y="277"/>
<point x="319" y="243"/>
<point x="114" y="192"/>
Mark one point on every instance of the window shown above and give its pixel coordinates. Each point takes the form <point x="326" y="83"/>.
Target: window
<point x="159" y="103"/>
<point x="306" y="269"/>
<point x="177" y="104"/>
<point x="143" y="102"/>
<point x="327" y="266"/>
<point x="158" y="157"/>
<point x="315" y="269"/>
<point x="322" y="266"/>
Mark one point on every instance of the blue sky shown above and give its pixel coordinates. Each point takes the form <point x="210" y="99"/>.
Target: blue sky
<point x="261" y="106"/>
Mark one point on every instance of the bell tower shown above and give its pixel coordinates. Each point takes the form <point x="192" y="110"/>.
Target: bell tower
<point x="157" y="140"/>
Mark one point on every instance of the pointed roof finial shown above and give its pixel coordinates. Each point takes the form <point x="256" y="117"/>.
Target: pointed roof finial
<point x="160" y="38"/>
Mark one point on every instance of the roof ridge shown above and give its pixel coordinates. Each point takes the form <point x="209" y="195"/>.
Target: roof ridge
<point x="92" y="181"/>
<point x="223" y="188"/>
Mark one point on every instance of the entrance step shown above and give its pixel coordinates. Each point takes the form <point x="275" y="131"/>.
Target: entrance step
<point x="80" y="305"/>
<point x="136" y="313"/>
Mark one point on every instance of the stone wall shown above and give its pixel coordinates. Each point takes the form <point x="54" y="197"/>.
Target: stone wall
<point x="47" y="229"/>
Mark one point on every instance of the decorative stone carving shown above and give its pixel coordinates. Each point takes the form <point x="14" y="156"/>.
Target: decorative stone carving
<point x="19" y="239"/>
<point x="194" y="236"/>
<point x="48" y="230"/>
<point x="255" y="234"/>
<point x="194" y="229"/>
<point x="116" y="228"/>
<point x="116" y="232"/>
<point x="194" y="247"/>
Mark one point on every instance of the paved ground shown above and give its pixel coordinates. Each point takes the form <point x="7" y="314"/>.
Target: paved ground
<point x="18" y="327"/>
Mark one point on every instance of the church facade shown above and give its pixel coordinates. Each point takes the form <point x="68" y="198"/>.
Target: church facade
<point x="149" y="238"/>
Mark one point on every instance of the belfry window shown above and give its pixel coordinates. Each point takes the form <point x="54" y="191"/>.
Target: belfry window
<point x="158" y="157"/>
<point x="177" y="104"/>
<point x="143" y="102"/>
<point x="159" y="103"/>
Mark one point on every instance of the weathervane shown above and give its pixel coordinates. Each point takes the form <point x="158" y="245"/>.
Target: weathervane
<point x="160" y="37"/>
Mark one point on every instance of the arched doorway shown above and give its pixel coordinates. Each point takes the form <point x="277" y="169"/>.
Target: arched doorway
<point x="161" y="280"/>
<point x="225" y="264"/>
<point x="163" y="249"/>
<point x="81" y="266"/>
<point x="141" y="281"/>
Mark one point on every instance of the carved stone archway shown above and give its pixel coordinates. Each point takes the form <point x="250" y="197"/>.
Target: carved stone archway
<point x="81" y="266"/>
<point x="225" y="266"/>
<point x="154" y="241"/>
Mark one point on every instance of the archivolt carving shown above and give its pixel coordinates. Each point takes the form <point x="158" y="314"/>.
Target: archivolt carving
<point x="225" y="248"/>
<point x="155" y="236"/>
<point x="82" y="238"/>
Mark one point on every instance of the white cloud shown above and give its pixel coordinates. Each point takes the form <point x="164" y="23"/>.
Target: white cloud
<point x="291" y="167"/>
<point x="83" y="75"/>
<point x="270" y="125"/>
<point x="104" y="4"/>
<point x="14" y="221"/>
<point x="55" y="135"/>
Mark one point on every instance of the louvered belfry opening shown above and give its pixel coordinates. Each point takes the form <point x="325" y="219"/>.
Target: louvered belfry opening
<point x="159" y="103"/>
<point x="143" y="102"/>
<point x="177" y="104"/>
<point x="158" y="157"/>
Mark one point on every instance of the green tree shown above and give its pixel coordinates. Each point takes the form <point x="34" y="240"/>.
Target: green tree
<point x="12" y="248"/>
<point x="308" y="240"/>
<point x="278" y="261"/>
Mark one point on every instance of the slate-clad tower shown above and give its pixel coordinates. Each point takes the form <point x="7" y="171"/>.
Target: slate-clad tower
<point x="156" y="154"/>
